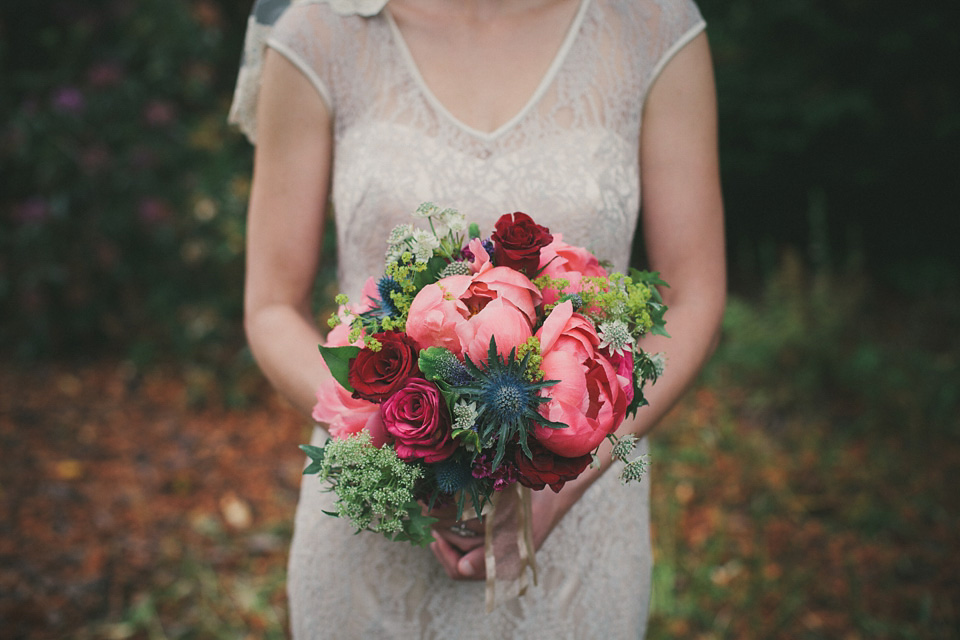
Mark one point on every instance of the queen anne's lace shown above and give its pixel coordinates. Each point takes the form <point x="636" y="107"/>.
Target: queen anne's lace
<point x="570" y="160"/>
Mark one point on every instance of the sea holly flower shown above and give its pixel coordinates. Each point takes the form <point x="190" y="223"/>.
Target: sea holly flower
<point x="453" y="475"/>
<point x="507" y="402"/>
<point x="624" y="447"/>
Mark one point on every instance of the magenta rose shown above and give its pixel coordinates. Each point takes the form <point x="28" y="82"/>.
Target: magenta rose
<point x="375" y="375"/>
<point x="547" y="468"/>
<point x="518" y="242"/>
<point x="417" y="418"/>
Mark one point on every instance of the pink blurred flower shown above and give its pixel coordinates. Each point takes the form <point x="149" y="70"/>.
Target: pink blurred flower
<point x="158" y="113"/>
<point x="153" y="211"/>
<point x="104" y="74"/>
<point x="561" y="260"/>
<point x="34" y="210"/>
<point x="589" y="397"/>
<point x="461" y="313"/>
<point x="68" y="100"/>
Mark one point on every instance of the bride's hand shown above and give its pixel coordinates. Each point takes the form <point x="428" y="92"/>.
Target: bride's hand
<point x="462" y="554"/>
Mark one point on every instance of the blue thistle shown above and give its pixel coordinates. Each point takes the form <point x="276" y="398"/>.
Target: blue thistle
<point x="506" y="401"/>
<point x="385" y="286"/>
<point x="452" y="475"/>
<point x="440" y="365"/>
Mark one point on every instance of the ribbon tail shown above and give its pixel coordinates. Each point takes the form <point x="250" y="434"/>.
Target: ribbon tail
<point x="526" y="515"/>
<point x="489" y="557"/>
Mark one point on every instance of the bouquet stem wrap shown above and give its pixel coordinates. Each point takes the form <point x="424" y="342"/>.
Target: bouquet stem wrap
<point x="509" y="557"/>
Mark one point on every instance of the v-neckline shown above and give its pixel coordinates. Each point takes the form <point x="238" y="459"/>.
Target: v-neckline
<point x="572" y="31"/>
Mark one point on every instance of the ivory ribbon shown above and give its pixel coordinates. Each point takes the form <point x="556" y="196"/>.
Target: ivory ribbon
<point x="524" y="540"/>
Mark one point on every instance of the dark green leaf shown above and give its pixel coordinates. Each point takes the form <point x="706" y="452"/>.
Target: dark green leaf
<point x="338" y="361"/>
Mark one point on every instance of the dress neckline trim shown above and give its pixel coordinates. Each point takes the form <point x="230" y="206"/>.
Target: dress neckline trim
<point x="572" y="31"/>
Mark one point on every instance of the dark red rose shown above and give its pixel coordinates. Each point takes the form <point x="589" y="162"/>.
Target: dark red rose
<point x="416" y="416"/>
<point x="375" y="375"/>
<point x="518" y="242"/>
<point x="547" y="468"/>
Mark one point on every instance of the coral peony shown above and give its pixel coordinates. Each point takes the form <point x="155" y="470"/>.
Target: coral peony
<point x="561" y="260"/>
<point x="588" y="398"/>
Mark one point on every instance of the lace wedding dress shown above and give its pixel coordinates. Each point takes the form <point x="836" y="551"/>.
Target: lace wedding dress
<point x="569" y="159"/>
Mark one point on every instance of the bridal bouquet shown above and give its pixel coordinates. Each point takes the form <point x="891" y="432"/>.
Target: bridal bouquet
<point x="472" y="364"/>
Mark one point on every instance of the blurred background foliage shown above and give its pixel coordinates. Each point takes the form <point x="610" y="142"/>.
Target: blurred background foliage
<point x="124" y="191"/>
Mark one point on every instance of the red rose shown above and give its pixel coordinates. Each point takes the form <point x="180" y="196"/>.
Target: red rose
<point x="375" y="375"/>
<point x="416" y="416"/>
<point x="518" y="242"/>
<point x="547" y="468"/>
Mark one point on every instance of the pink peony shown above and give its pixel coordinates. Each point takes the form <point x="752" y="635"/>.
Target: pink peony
<point x="479" y="253"/>
<point x="416" y="416"/>
<point x="589" y="397"/>
<point x="461" y="313"/>
<point x="561" y="260"/>
<point x="343" y="414"/>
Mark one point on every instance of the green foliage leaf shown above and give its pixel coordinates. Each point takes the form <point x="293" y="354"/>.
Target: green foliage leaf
<point x="416" y="526"/>
<point x="316" y="455"/>
<point x="338" y="361"/>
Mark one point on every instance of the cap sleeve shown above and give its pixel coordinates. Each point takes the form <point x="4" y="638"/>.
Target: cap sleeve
<point x="679" y="22"/>
<point x="302" y="33"/>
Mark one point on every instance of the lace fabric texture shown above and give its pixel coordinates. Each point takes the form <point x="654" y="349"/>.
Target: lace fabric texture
<point x="570" y="159"/>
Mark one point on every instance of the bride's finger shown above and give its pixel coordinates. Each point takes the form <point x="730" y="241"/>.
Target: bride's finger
<point x="472" y="565"/>
<point x="447" y="556"/>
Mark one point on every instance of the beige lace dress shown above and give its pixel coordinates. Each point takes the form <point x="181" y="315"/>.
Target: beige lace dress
<point x="569" y="159"/>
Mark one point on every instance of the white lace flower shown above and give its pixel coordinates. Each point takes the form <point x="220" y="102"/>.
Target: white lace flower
<point x="615" y="335"/>
<point x="659" y="361"/>
<point x="423" y="244"/>
<point x="453" y="220"/>
<point x="356" y="7"/>
<point x="426" y="210"/>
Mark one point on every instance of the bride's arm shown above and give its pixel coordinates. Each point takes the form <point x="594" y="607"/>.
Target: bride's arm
<point x="683" y="230"/>
<point x="285" y="230"/>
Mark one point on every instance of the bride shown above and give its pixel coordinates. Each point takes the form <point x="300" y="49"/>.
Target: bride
<point x="597" y="118"/>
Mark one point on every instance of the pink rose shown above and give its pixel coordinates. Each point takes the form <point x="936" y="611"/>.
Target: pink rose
<point x="561" y="260"/>
<point x="416" y="416"/>
<point x="589" y="398"/>
<point x="461" y="313"/>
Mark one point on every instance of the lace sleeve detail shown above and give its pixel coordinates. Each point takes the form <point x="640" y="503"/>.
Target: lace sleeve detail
<point x="680" y="21"/>
<point x="305" y="33"/>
